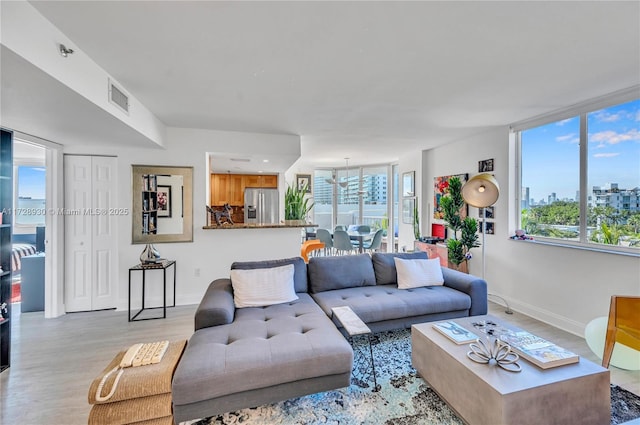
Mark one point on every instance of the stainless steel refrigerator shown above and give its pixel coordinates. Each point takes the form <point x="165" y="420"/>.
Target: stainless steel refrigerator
<point x="261" y="206"/>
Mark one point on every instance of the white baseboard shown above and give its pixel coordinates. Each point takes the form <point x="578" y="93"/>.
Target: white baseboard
<point x="549" y="317"/>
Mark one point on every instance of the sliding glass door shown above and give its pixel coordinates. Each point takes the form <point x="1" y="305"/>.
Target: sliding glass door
<point x="358" y="195"/>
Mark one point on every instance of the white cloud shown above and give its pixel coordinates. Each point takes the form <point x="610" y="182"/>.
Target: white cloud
<point x="638" y="115"/>
<point x="606" y="155"/>
<point x="569" y="138"/>
<point x="604" y="116"/>
<point x="611" y="137"/>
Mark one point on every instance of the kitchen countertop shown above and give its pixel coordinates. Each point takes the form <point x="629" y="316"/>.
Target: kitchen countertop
<point x="258" y="226"/>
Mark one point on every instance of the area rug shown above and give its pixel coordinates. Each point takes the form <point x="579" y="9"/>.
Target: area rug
<point x="404" y="398"/>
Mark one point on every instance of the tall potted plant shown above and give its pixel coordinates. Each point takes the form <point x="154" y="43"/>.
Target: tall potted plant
<point x="464" y="235"/>
<point x="296" y="204"/>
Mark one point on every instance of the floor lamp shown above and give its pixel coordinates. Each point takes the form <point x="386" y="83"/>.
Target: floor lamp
<point x="482" y="191"/>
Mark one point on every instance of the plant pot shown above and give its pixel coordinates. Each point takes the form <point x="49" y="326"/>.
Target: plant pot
<point x="295" y="222"/>
<point x="462" y="267"/>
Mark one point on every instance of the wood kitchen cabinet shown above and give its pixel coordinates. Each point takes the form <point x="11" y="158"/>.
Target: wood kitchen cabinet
<point x="261" y="181"/>
<point x="229" y="188"/>
<point x="236" y="189"/>
<point x="219" y="189"/>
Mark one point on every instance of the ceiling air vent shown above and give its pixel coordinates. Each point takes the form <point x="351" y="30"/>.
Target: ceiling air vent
<point x="118" y="97"/>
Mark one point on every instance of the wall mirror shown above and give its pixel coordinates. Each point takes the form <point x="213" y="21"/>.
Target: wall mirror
<point x="162" y="204"/>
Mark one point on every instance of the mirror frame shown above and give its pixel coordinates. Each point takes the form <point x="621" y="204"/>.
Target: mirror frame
<point x="137" y="171"/>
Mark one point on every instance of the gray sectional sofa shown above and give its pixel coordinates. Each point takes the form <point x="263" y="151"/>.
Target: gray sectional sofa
<point x="247" y="357"/>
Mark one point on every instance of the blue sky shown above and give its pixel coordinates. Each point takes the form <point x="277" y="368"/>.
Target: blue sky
<point x="31" y="182"/>
<point x="550" y="153"/>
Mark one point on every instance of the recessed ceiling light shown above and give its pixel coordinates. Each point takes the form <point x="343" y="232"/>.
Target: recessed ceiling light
<point x="265" y="160"/>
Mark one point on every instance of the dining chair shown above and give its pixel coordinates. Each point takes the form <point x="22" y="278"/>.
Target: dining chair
<point x="324" y="236"/>
<point x="623" y="325"/>
<point x="340" y="227"/>
<point x="376" y="242"/>
<point x="309" y="247"/>
<point x="342" y="242"/>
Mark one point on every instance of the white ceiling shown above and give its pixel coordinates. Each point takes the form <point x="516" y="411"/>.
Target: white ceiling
<point x="365" y="80"/>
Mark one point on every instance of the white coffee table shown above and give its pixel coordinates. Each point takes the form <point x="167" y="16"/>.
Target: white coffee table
<point x="483" y="394"/>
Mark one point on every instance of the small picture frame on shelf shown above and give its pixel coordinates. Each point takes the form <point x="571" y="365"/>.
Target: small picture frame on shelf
<point x="302" y="181"/>
<point x="485" y="165"/>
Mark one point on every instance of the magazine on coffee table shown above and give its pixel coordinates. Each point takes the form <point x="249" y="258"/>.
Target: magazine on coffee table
<point x="538" y="351"/>
<point x="455" y="332"/>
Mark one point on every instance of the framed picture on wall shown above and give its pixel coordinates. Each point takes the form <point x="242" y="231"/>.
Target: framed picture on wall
<point x="408" y="183"/>
<point x="164" y="201"/>
<point x="489" y="212"/>
<point x="304" y="180"/>
<point x="440" y="189"/>
<point x="408" y="207"/>
<point x="485" y="165"/>
<point x="489" y="227"/>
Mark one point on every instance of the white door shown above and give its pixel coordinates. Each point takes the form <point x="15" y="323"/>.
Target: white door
<point x="90" y="236"/>
<point x="104" y="234"/>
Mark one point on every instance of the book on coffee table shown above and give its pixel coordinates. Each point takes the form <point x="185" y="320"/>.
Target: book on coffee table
<point x="538" y="351"/>
<point x="455" y="332"/>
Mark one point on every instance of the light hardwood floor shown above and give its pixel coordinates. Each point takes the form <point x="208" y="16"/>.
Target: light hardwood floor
<point x="54" y="360"/>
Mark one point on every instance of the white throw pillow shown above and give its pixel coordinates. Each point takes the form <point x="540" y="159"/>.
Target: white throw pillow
<point x="417" y="273"/>
<point x="263" y="287"/>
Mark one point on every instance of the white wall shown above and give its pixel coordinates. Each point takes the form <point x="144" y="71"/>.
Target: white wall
<point x="406" y="163"/>
<point x="77" y="71"/>
<point x="566" y="287"/>
<point x="212" y="251"/>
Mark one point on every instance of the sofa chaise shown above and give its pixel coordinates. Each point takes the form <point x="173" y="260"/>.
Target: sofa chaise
<point x="246" y="357"/>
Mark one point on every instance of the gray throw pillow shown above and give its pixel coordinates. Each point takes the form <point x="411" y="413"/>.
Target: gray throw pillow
<point x="339" y="272"/>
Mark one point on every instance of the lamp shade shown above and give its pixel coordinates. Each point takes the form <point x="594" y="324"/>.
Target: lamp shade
<point x="481" y="191"/>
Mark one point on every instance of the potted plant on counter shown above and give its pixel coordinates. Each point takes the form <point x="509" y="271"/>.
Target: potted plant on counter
<point x="296" y="204"/>
<point x="458" y="248"/>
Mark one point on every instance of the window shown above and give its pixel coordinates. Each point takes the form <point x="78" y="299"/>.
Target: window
<point x="323" y="198"/>
<point x="30" y="200"/>
<point x="580" y="177"/>
<point x="374" y="197"/>
<point x="357" y="195"/>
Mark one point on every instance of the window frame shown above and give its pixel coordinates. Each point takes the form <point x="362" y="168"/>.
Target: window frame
<point x="581" y="111"/>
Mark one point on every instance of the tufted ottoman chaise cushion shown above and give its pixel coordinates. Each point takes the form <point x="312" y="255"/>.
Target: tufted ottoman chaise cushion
<point x="267" y="354"/>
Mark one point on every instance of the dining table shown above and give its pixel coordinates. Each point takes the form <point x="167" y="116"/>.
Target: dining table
<point x="354" y="235"/>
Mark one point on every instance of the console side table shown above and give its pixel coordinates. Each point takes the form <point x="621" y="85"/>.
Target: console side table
<point x="161" y="265"/>
<point x="354" y="326"/>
